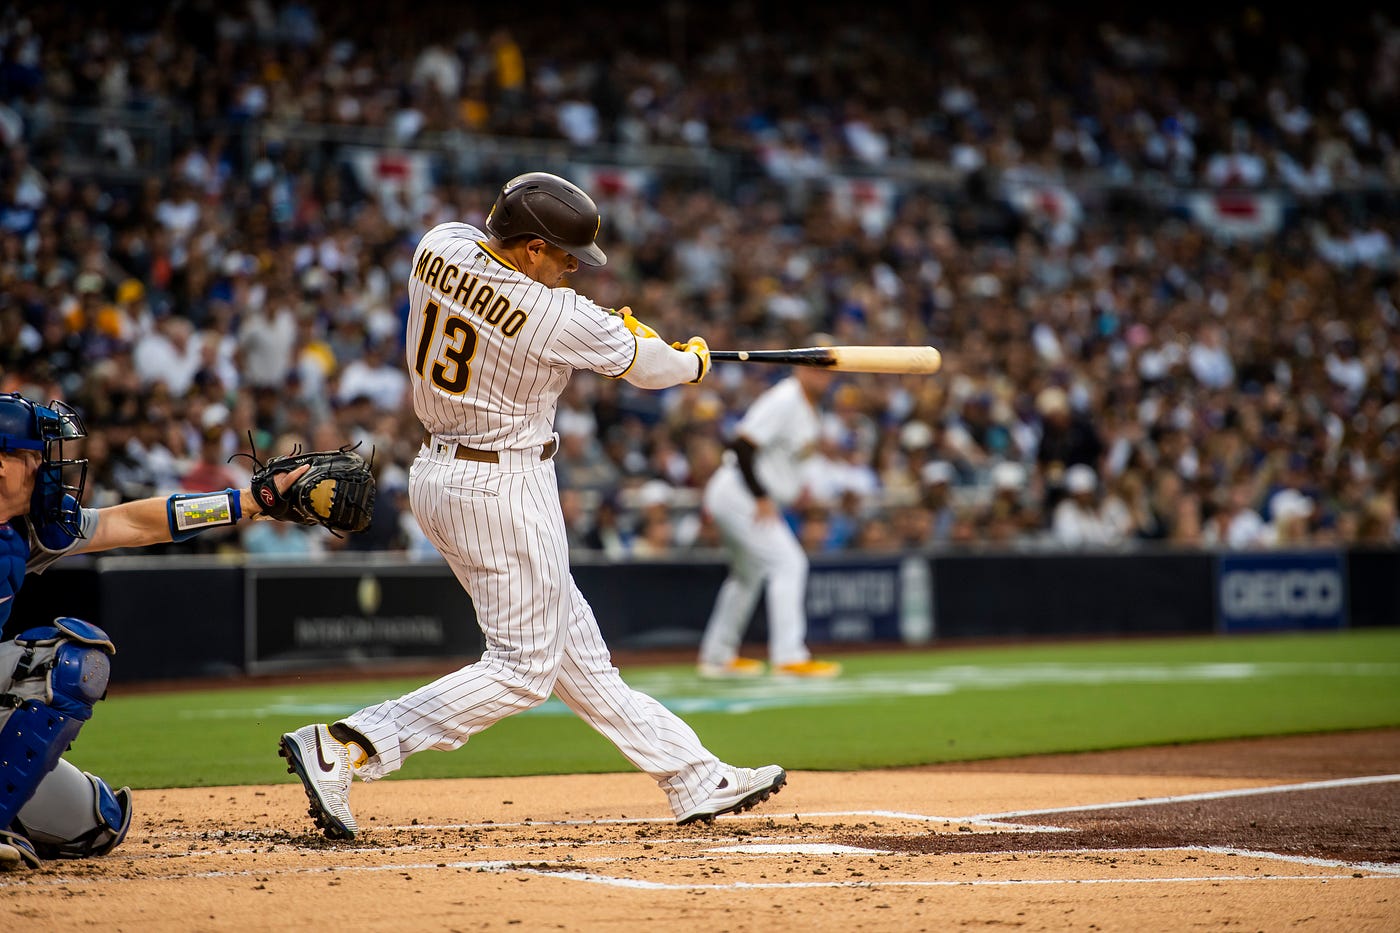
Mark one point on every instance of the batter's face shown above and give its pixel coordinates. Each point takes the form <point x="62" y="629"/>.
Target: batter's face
<point x="548" y="264"/>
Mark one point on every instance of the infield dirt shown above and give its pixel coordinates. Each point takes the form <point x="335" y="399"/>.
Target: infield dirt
<point x="1258" y="846"/>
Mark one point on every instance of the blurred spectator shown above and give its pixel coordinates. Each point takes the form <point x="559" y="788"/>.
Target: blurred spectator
<point x="582" y="463"/>
<point x="875" y="536"/>
<point x="1242" y="316"/>
<point x="1067" y="439"/>
<point x="1174" y="515"/>
<point x="267" y="336"/>
<point x="975" y="439"/>
<point x="1210" y="360"/>
<point x="1292" y="513"/>
<point x="1127" y="506"/>
<point x="1009" y="516"/>
<point x="211" y="469"/>
<point x="606" y="535"/>
<point x="1079" y="518"/>
<point x="936" y="480"/>
<point x="155" y="465"/>
<point x="169" y="354"/>
<point x="1378" y="525"/>
<point x="656" y="534"/>
<point x="1234" y="523"/>
<point x="282" y="539"/>
<point x="377" y="375"/>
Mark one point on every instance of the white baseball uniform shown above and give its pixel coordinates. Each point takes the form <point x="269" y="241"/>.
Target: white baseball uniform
<point x="783" y="425"/>
<point x="489" y="351"/>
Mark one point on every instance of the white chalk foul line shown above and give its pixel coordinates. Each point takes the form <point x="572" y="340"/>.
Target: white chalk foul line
<point x="799" y="848"/>
<point x="496" y="867"/>
<point x="610" y="881"/>
<point x="1190" y="798"/>
<point x="784" y="816"/>
<point x="997" y="824"/>
<point x="787" y="843"/>
<point x="544" y="870"/>
<point x="997" y="821"/>
<point x="761" y="846"/>
<point x="1378" y="868"/>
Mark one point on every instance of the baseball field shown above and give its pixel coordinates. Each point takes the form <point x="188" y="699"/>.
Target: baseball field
<point x="1209" y="783"/>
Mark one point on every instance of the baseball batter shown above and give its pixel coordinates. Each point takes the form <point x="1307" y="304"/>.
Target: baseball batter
<point x="492" y="340"/>
<point x="744" y="498"/>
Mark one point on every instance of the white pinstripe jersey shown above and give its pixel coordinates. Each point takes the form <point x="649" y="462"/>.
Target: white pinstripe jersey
<point x="784" y="426"/>
<point x="489" y="349"/>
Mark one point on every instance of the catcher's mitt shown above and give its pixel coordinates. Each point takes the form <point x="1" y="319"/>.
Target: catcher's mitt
<point x="337" y="491"/>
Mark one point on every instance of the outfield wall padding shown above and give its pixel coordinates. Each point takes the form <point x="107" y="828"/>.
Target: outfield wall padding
<point x="176" y="617"/>
<point x="1038" y="595"/>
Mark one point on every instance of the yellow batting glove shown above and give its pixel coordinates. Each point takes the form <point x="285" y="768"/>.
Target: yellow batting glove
<point x="700" y="348"/>
<point x="635" y="326"/>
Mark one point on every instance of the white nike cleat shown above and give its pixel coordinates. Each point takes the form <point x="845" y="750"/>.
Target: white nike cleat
<point x="739" y="789"/>
<point x="323" y="764"/>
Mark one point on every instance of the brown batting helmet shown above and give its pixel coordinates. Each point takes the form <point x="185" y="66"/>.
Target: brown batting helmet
<point x="558" y="212"/>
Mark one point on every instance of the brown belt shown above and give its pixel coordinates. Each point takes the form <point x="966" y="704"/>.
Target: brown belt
<point x="491" y="456"/>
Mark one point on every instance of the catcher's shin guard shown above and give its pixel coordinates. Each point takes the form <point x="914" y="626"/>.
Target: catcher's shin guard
<point x="74" y="814"/>
<point x="50" y="678"/>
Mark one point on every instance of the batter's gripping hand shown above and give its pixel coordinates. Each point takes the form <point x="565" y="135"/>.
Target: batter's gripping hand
<point x="634" y="325"/>
<point x="336" y="491"/>
<point x="700" y="348"/>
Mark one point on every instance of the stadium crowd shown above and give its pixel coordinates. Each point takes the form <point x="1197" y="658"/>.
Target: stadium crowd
<point x="1113" y="376"/>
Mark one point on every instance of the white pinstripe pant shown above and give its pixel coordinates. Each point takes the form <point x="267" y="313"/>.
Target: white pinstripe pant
<point x="760" y="554"/>
<point x="501" y="530"/>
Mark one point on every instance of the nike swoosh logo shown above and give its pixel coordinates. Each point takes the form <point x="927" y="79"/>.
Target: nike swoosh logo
<point x="321" y="757"/>
<point x="6" y="599"/>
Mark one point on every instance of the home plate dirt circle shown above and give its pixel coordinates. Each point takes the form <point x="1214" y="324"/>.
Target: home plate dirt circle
<point x="1260" y="834"/>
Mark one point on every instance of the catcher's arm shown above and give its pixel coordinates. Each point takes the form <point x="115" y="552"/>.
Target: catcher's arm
<point x="157" y="520"/>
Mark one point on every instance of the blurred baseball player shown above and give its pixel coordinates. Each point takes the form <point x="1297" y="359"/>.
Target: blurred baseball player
<point x="744" y="497"/>
<point x="493" y="338"/>
<point x="51" y="676"/>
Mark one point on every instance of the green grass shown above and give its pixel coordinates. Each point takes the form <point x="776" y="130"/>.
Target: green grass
<point x="897" y="708"/>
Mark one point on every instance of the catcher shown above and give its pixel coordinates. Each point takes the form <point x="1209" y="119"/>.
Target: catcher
<point x="51" y="676"/>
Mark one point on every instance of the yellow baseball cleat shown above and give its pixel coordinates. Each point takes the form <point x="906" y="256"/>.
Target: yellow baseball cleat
<point x="809" y="668"/>
<point x="738" y="667"/>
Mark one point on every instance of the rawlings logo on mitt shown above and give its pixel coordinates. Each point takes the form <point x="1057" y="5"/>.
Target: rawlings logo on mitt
<point x="336" y="491"/>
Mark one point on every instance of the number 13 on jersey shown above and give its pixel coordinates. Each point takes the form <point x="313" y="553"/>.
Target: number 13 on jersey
<point x="450" y="370"/>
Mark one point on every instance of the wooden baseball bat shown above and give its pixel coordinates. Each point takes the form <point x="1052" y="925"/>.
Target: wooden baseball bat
<point x="924" y="360"/>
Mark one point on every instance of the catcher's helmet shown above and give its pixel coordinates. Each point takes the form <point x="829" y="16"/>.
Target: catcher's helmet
<point x="556" y="211"/>
<point x="58" y="485"/>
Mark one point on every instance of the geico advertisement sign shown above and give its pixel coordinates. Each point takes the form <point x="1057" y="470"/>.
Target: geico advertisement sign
<point x="1270" y="593"/>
